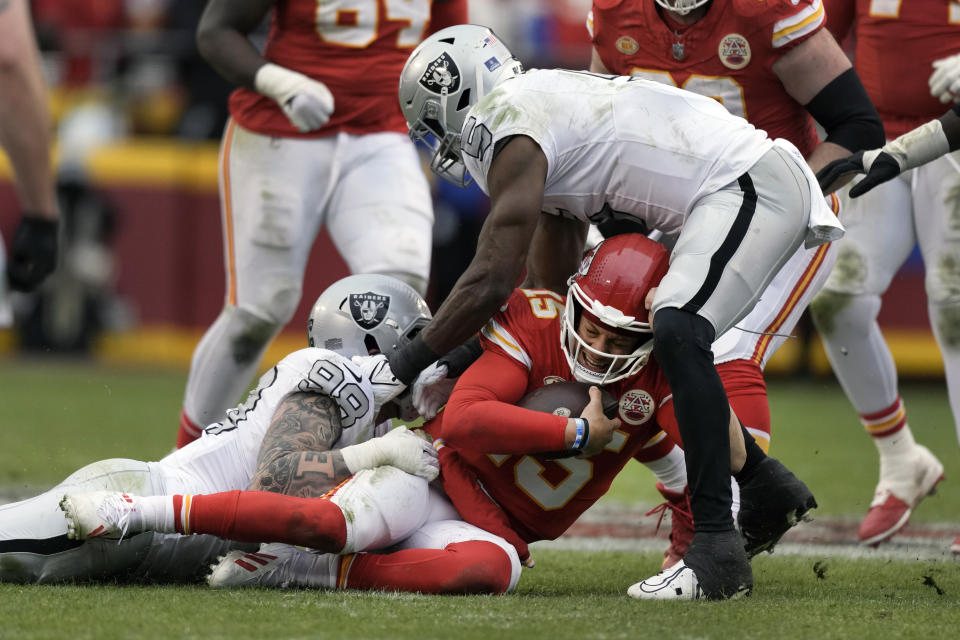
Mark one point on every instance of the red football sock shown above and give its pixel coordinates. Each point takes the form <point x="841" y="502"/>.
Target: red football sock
<point x="260" y="516"/>
<point x="475" y="566"/>
<point x="188" y="432"/>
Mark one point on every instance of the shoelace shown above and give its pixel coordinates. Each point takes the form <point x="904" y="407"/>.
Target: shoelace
<point x="116" y="510"/>
<point x="678" y="512"/>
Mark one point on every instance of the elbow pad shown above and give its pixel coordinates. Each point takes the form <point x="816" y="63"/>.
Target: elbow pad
<point x="844" y="110"/>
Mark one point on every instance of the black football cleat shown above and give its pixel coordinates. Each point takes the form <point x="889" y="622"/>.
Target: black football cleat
<point x="772" y="501"/>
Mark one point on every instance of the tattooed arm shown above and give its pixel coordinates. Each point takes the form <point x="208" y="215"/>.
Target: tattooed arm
<point x="296" y="457"/>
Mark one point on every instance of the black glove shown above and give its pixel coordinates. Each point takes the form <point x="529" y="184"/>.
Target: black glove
<point x="879" y="167"/>
<point x="33" y="253"/>
<point x="884" y="168"/>
<point x="839" y="168"/>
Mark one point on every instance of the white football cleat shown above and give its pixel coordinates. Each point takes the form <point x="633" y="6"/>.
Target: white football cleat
<point x="97" y="514"/>
<point x="679" y="582"/>
<point x="275" y="565"/>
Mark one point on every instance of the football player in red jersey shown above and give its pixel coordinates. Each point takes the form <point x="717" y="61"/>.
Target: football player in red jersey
<point x="25" y="137"/>
<point x="527" y="491"/>
<point x="773" y="63"/>
<point x="908" y="55"/>
<point x="315" y="138"/>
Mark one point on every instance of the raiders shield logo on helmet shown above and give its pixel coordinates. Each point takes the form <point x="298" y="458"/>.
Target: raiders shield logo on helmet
<point x="368" y="309"/>
<point x="441" y="74"/>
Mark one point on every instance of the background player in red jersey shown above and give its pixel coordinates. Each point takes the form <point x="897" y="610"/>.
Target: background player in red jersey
<point x="527" y="494"/>
<point x="907" y="55"/>
<point x="25" y="137"/>
<point x="773" y="63"/>
<point x="316" y="138"/>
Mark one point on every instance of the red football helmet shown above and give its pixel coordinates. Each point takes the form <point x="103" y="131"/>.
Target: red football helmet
<point x="610" y="288"/>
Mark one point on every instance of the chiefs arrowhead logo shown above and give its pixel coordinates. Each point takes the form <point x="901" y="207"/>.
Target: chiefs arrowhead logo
<point x="636" y="406"/>
<point x="734" y="51"/>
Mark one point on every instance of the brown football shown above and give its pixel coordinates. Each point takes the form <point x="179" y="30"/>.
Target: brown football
<point x="566" y="399"/>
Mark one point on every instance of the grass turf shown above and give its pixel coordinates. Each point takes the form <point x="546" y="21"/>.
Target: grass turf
<point x="58" y="416"/>
<point x="568" y="595"/>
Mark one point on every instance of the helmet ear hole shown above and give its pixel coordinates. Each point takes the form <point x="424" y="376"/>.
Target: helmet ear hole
<point x="371" y="344"/>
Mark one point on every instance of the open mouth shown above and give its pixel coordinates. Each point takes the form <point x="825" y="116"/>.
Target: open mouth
<point x="596" y="364"/>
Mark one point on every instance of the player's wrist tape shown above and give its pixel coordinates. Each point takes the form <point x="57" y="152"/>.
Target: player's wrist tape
<point x="365" y="455"/>
<point x="920" y="146"/>
<point x="410" y="359"/>
<point x="583" y="434"/>
<point x="462" y="357"/>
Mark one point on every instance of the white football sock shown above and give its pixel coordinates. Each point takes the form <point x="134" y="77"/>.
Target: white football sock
<point x="670" y="470"/>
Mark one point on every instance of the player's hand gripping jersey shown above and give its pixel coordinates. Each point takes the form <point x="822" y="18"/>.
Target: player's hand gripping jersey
<point x="355" y="47"/>
<point x="727" y="55"/>
<point x="541" y="498"/>
<point x="621" y="147"/>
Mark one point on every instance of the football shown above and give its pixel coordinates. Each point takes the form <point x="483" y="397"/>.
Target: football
<point x="567" y="399"/>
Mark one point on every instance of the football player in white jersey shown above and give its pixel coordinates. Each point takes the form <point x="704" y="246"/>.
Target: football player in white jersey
<point x="316" y="407"/>
<point x="589" y="148"/>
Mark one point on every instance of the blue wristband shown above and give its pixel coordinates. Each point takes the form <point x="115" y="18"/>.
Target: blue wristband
<point x="583" y="433"/>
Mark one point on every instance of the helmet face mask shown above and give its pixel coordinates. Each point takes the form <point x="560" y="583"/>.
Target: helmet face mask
<point x="683" y="7"/>
<point x="610" y="289"/>
<point x="365" y="314"/>
<point x="442" y="79"/>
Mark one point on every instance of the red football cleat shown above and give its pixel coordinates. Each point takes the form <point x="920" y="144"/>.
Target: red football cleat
<point x="681" y="523"/>
<point x="904" y="482"/>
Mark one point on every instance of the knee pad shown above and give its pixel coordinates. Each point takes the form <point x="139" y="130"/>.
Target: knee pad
<point x="113" y="474"/>
<point x="679" y="336"/>
<point x="381" y="506"/>
<point x="831" y="309"/>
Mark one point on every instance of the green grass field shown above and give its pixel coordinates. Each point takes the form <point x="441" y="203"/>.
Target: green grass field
<point x="58" y="416"/>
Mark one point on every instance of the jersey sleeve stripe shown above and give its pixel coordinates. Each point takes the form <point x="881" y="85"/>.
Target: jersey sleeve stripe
<point x="495" y="333"/>
<point x="590" y="23"/>
<point x="799" y="24"/>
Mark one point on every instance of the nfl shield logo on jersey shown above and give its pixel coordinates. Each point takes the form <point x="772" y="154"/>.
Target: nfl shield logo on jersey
<point x="441" y="74"/>
<point x="636" y="406"/>
<point x="368" y="309"/>
<point x="734" y="51"/>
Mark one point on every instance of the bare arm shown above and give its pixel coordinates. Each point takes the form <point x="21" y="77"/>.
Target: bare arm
<point x="24" y="116"/>
<point x="222" y="38"/>
<point x="555" y="253"/>
<point x="295" y="457"/>
<point x="516" y="181"/>
<point x="596" y="64"/>
<point x="804" y="72"/>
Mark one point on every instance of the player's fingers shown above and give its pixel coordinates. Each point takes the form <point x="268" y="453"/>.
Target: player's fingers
<point x="864" y="185"/>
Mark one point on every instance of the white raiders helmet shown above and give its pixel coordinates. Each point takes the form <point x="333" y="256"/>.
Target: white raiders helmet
<point x="683" y="7"/>
<point x="366" y="314"/>
<point x="445" y="76"/>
